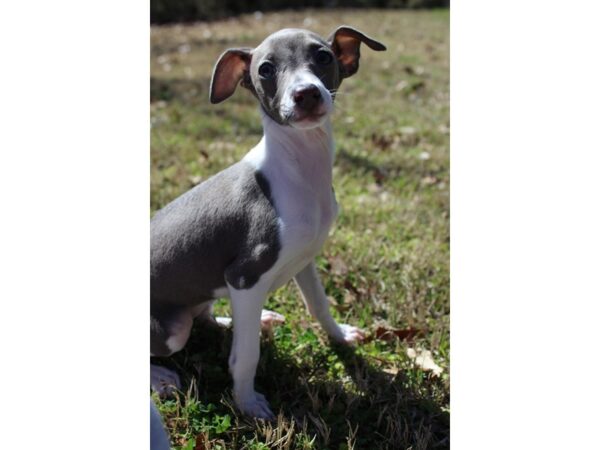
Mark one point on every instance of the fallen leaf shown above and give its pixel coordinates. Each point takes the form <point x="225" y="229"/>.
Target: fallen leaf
<point x="402" y="84"/>
<point x="200" y="442"/>
<point x="428" y="180"/>
<point x="338" y="266"/>
<point x="424" y="360"/>
<point x="390" y="334"/>
<point x="379" y="174"/>
<point x="381" y="141"/>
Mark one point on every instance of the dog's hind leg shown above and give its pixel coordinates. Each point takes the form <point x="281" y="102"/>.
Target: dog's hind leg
<point x="169" y="331"/>
<point x="267" y="320"/>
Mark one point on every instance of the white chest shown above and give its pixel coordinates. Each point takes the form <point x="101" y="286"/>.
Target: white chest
<point x="299" y="172"/>
<point x="302" y="235"/>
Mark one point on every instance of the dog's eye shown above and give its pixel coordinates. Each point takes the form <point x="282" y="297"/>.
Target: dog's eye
<point x="323" y="58"/>
<point x="266" y="70"/>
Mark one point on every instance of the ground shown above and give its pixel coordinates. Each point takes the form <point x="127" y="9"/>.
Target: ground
<point x="385" y="266"/>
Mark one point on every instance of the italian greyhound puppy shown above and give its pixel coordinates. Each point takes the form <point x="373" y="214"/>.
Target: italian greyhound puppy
<point x="251" y="228"/>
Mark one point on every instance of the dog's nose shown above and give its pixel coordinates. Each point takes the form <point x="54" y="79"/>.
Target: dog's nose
<point x="307" y="97"/>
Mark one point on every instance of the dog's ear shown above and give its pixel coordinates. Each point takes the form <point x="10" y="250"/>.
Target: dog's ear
<point x="232" y="66"/>
<point x="345" y="43"/>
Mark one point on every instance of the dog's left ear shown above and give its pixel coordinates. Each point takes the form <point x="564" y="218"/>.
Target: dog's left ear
<point x="345" y="43"/>
<point x="232" y="66"/>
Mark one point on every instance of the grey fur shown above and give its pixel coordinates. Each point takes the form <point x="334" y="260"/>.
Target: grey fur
<point x="158" y="436"/>
<point x="223" y="230"/>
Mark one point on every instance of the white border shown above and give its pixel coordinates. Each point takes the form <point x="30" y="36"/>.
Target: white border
<point x="74" y="164"/>
<point x="525" y="225"/>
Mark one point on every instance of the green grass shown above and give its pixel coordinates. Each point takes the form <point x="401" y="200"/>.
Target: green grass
<point x="385" y="266"/>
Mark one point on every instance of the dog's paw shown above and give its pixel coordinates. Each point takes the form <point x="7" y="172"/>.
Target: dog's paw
<point x="164" y="381"/>
<point x="270" y="318"/>
<point x="256" y="406"/>
<point x="224" y="322"/>
<point x="349" y="334"/>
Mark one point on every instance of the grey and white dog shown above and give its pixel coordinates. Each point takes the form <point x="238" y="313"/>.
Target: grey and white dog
<point x="251" y="228"/>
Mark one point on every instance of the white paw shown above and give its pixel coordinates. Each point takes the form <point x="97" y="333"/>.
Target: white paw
<point x="349" y="334"/>
<point x="163" y="381"/>
<point x="225" y="322"/>
<point x="270" y="318"/>
<point x="255" y="405"/>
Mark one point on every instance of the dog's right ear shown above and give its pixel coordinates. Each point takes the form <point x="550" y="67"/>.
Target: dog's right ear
<point x="232" y="66"/>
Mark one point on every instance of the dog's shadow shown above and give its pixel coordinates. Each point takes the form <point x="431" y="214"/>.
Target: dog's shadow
<point x="360" y="402"/>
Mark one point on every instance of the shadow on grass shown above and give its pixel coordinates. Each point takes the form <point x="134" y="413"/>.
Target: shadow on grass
<point x="402" y="413"/>
<point x="377" y="410"/>
<point x="347" y="162"/>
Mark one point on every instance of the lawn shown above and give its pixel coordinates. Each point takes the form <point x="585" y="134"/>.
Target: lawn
<point x="385" y="266"/>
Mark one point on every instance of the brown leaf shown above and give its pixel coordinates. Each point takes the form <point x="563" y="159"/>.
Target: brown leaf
<point x="348" y="285"/>
<point x="390" y="334"/>
<point x="379" y="174"/>
<point x="382" y="142"/>
<point x="200" y="442"/>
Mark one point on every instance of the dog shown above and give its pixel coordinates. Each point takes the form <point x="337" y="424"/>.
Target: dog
<point x="254" y="226"/>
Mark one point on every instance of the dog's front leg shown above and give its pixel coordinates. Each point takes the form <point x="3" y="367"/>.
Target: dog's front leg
<point x="316" y="301"/>
<point x="246" y="306"/>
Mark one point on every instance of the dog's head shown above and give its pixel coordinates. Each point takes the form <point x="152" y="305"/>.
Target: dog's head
<point x="293" y="73"/>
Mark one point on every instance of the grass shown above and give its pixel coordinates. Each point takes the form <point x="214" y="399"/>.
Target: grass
<point x="385" y="265"/>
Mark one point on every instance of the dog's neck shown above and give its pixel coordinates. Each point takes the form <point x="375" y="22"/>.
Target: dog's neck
<point x="305" y="154"/>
